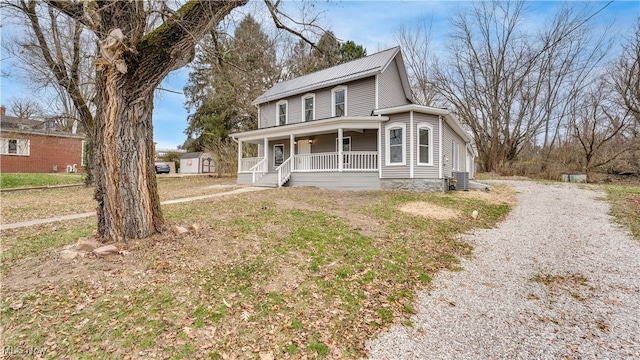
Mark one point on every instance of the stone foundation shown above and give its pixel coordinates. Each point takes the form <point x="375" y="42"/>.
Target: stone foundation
<point x="417" y="185"/>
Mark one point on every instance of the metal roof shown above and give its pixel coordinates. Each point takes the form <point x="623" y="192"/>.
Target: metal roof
<point x="352" y="70"/>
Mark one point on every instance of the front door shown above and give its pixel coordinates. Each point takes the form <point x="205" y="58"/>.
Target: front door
<point x="304" y="147"/>
<point x="278" y="155"/>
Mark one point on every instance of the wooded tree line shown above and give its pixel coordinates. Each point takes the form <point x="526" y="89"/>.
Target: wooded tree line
<point x="538" y="102"/>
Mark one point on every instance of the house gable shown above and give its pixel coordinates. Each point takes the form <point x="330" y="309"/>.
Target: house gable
<point x="375" y="81"/>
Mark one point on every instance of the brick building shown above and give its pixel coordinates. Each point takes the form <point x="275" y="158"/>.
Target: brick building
<point x="31" y="146"/>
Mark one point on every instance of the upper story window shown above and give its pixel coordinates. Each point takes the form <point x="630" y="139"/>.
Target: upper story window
<point x="395" y="140"/>
<point x="14" y="146"/>
<point x="282" y="112"/>
<point x="339" y="101"/>
<point x="425" y="148"/>
<point x="309" y="107"/>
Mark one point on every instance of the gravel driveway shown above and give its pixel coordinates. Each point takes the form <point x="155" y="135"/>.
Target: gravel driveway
<point x="555" y="280"/>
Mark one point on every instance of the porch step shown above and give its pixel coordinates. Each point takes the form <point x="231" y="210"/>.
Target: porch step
<point x="268" y="180"/>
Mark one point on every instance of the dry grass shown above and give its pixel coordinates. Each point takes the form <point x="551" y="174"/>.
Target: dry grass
<point x="282" y="273"/>
<point x="38" y="204"/>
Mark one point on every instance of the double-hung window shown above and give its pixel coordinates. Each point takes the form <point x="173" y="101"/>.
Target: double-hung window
<point x="425" y="147"/>
<point x="395" y="140"/>
<point x="339" y="101"/>
<point x="15" y="146"/>
<point x="308" y="107"/>
<point x="282" y="107"/>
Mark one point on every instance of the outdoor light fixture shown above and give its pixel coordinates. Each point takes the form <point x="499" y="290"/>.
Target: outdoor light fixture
<point x="310" y="141"/>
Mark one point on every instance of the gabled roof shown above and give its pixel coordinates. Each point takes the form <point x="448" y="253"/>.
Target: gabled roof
<point x="352" y="70"/>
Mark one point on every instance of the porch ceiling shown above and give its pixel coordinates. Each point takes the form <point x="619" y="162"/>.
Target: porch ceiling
<point x="316" y="127"/>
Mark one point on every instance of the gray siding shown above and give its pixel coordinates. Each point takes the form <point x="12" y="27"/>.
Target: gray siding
<point x="268" y="115"/>
<point x="390" y="91"/>
<point x="360" y="102"/>
<point x="245" y="179"/>
<point x="337" y="181"/>
<point x="284" y="142"/>
<point x="424" y="171"/>
<point x="361" y="97"/>
<point x="395" y="171"/>
<point x="366" y="141"/>
<point x="448" y="137"/>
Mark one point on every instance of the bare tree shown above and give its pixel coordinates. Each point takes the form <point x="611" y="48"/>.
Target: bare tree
<point x="599" y="126"/>
<point x="626" y="75"/>
<point x="417" y="54"/>
<point x="139" y="43"/>
<point x="509" y="85"/>
<point x="25" y="108"/>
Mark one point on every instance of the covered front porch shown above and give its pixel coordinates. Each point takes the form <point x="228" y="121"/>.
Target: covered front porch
<point x="333" y="147"/>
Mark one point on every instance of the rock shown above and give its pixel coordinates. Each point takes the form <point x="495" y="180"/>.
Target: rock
<point x="195" y="227"/>
<point x="106" y="251"/>
<point x="266" y="355"/>
<point x="87" y="244"/>
<point x="179" y="230"/>
<point x="16" y="305"/>
<point x="68" y="254"/>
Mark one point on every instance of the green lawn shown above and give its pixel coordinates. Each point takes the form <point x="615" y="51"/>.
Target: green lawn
<point x="27" y="180"/>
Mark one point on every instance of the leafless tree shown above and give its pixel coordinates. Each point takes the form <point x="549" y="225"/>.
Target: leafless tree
<point x="139" y="43"/>
<point x="510" y="85"/>
<point x="416" y="47"/>
<point x="25" y="108"/>
<point x="599" y="126"/>
<point x="626" y="75"/>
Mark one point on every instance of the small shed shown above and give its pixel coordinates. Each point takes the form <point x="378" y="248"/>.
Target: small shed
<point x="196" y="163"/>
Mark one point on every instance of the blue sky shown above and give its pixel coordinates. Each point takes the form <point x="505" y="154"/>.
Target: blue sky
<point x="368" y="23"/>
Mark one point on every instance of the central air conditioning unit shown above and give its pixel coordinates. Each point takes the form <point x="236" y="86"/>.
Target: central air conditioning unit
<point x="462" y="180"/>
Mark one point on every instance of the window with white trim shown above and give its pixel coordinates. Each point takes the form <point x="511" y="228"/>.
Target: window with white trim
<point x="339" y="101"/>
<point x="309" y="107"/>
<point x="425" y="147"/>
<point x="15" y="147"/>
<point x="282" y="113"/>
<point x="278" y="154"/>
<point x="395" y="144"/>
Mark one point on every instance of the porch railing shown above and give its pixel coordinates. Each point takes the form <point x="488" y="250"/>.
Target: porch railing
<point x="247" y="163"/>
<point x="259" y="170"/>
<point x="329" y="162"/>
<point x="284" y="172"/>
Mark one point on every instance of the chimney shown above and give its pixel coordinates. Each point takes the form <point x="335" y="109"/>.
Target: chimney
<point x="3" y="110"/>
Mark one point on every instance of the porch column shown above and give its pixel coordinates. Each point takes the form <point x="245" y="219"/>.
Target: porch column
<point x="340" y="159"/>
<point x="292" y="144"/>
<point x="240" y="169"/>
<point x="266" y="151"/>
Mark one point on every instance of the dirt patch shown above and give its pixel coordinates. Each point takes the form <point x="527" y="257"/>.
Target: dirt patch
<point x="430" y="210"/>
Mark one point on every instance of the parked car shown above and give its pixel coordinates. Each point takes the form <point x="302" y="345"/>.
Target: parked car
<point x="162" y="168"/>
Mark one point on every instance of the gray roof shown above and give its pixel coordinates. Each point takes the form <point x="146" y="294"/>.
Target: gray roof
<point x="193" y="155"/>
<point x="352" y="70"/>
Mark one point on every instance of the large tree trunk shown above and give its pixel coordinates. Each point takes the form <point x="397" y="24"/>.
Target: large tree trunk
<point x="128" y="201"/>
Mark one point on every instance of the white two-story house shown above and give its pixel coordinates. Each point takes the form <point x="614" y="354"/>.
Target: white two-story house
<point x="353" y="126"/>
